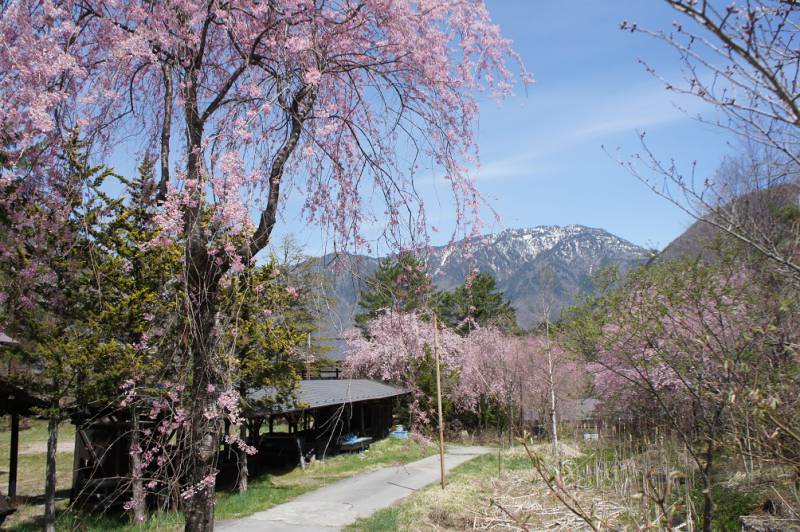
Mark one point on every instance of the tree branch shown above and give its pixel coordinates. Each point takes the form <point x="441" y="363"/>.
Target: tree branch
<point x="268" y="217"/>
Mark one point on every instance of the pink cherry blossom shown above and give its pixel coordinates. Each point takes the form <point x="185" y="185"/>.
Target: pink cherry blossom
<point x="395" y="345"/>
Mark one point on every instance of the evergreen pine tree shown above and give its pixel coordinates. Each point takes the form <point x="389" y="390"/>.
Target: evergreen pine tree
<point x="476" y="303"/>
<point x="400" y="284"/>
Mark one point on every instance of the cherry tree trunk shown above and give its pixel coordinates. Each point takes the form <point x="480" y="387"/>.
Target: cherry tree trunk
<point x="241" y="484"/>
<point x="202" y="289"/>
<point x="202" y="450"/>
<point x="50" y="475"/>
<point x="202" y="278"/>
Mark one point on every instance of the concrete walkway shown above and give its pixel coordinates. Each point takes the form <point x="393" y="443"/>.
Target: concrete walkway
<point x="337" y="505"/>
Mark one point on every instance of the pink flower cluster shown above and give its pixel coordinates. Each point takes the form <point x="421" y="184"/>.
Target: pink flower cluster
<point x="395" y="345"/>
<point x="486" y="364"/>
<point x="677" y="344"/>
<point x="240" y="444"/>
<point x="208" y="482"/>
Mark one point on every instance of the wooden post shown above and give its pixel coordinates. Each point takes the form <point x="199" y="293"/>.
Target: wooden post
<point x="439" y="397"/>
<point x="308" y="358"/>
<point x="14" y="451"/>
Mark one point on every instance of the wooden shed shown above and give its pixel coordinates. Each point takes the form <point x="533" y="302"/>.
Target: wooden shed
<point x="323" y="413"/>
<point x="579" y="416"/>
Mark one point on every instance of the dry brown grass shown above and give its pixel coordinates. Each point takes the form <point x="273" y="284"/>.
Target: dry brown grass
<point x="521" y="502"/>
<point x="477" y="497"/>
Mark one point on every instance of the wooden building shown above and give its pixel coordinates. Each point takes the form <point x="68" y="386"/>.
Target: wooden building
<point x="15" y="402"/>
<point x="322" y="415"/>
<point x="317" y="421"/>
<point x="579" y="417"/>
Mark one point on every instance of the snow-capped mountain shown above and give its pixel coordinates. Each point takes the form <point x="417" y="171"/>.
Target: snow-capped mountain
<point x="537" y="267"/>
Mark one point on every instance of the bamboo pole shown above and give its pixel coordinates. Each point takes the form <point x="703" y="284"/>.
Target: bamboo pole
<point x="439" y="397"/>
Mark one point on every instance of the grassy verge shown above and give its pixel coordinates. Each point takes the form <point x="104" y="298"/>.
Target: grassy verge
<point x="607" y="483"/>
<point x="263" y="493"/>
<point x="469" y="487"/>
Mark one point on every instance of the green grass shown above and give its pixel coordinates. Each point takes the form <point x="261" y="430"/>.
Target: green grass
<point x="72" y="521"/>
<point x="729" y="506"/>
<point x="487" y="465"/>
<point x="260" y="495"/>
<point x="31" y="465"/>
<point x="32" y="455"/>
<point x="263" y="492"/>
<point x="384" y="520"/>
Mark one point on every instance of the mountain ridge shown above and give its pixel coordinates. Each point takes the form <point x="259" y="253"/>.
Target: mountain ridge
<point x="537" y="268"/>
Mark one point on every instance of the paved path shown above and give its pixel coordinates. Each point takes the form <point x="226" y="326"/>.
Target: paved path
<point x="337" y="505"/>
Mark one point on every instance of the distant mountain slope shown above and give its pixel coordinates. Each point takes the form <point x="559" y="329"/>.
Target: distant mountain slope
<point x="691" y="243"/>
<point x="535" y="267"/>
<point x="754" y="213"/>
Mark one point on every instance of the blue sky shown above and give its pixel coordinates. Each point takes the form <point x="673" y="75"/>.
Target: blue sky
<point x="542" y="155"/>
<point x="542" y="160"/>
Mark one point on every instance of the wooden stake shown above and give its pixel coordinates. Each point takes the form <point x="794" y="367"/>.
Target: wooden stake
<point x="14" y="454"/>
<point x="439" y="397"/>
<point x="308" y="358"/>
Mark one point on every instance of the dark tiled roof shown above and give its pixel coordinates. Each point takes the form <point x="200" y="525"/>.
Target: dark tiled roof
<point x="325" y="392"/>
<point x="16" y="400"/>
